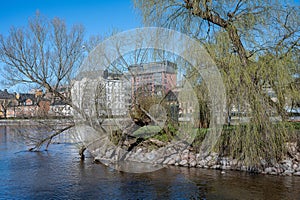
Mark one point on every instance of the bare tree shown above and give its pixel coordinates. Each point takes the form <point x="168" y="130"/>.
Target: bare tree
<point x="4" y="103"/>
<point x="44" y="54"/>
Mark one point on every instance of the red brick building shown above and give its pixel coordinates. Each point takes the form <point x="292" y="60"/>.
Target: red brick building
<point x="154" y="75"/>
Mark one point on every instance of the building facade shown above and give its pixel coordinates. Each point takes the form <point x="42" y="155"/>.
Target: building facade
<point x="117" y="96"/>
<point x="153" y="76"/>
<point x="109" y="90"/>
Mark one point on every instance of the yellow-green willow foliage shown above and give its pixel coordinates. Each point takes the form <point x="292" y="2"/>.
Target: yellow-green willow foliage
<point x="255" y="46"/>
<point x="259" y="96"/>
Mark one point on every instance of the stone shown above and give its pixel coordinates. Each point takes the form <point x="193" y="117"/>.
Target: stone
<point x="215" y="167"/>
<point x="160" y="160"/>
<point x="177" y="158"/>
<point x="225" y="167"/>
<point x="128" y="155"/>
<point x="263" y="162"/>
<point x="283" y="167"/>
<point x="270" y="170"/>
<point x="139" y="150"/>
<point x="174" y="156"/>
<point x="223" y="162"/>
<point x="140" y="157"/>
<point x="239" y="164"/>
<point x="171" y="162"/>
<point x="151" y="156"/>
<point x="286" y="167"/>
<point x="193" y="163"/>
<point x="280" y="170"/>
<point x="243" y="168"/>
<point x="297" y="173"/>
<point x="167" y="160"/>
<point x="233" y="162"/>
<point x="295" y="166"/>
<point x="292" y="147"/>
<point x="287" y="164"/>
<point x="108" y="153"/>
<point x="192" y="156"/>
<point x="201" y="163"/>
<point x="186" y="151"/>
<point x="297" y="157"/>
<point x="185" y="156"/>
<point x="273" y="162"/>
<point x="171" y="150"/>
<point x="183" y="163"/>
<point x="288" y="172"/>
<point x="208" y="158"/>
<point x="214" y="155"/>
<point x="211" y="163"/>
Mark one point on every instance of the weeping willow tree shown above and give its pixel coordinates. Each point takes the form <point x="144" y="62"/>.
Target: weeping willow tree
<point x="255" y="46"/>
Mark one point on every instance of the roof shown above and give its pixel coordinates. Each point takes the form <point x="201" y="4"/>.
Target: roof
<point x="24" y="96"/>
<point x="5" y="95"/>
<point x="153" y="67"/>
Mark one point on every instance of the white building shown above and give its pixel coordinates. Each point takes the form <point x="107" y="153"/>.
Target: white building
<point x="102" y="94"/>
<point x="117" y="96"/>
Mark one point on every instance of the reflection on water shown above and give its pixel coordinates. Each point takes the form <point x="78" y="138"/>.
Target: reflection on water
<point x="59" y="174"/>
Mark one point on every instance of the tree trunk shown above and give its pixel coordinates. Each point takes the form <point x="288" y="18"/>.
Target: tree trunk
<point x="81" y="152"/>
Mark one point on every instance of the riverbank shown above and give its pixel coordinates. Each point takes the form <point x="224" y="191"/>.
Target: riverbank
<point x="289" y="166"/>
<point x="180" y="155"/>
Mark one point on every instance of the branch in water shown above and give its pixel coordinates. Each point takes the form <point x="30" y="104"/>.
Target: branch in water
<point x="49" y="138"/>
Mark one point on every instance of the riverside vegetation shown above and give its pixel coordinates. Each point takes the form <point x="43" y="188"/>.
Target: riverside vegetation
<point x="227" y="155"/>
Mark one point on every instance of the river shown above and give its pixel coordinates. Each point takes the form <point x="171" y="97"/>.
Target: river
<point x="60" y="174"/>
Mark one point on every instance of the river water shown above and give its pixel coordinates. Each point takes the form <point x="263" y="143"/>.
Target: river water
<point x="59" y="174"/>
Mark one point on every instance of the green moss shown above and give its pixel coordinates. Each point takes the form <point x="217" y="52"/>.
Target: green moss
<point x="162" y="137"/>
<point x="146" y="131"/>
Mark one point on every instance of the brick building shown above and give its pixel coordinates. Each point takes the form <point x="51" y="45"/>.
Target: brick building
<point x="153" y="76"/>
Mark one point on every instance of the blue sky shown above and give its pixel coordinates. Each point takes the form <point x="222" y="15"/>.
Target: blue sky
<point x="97" y="16"/>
